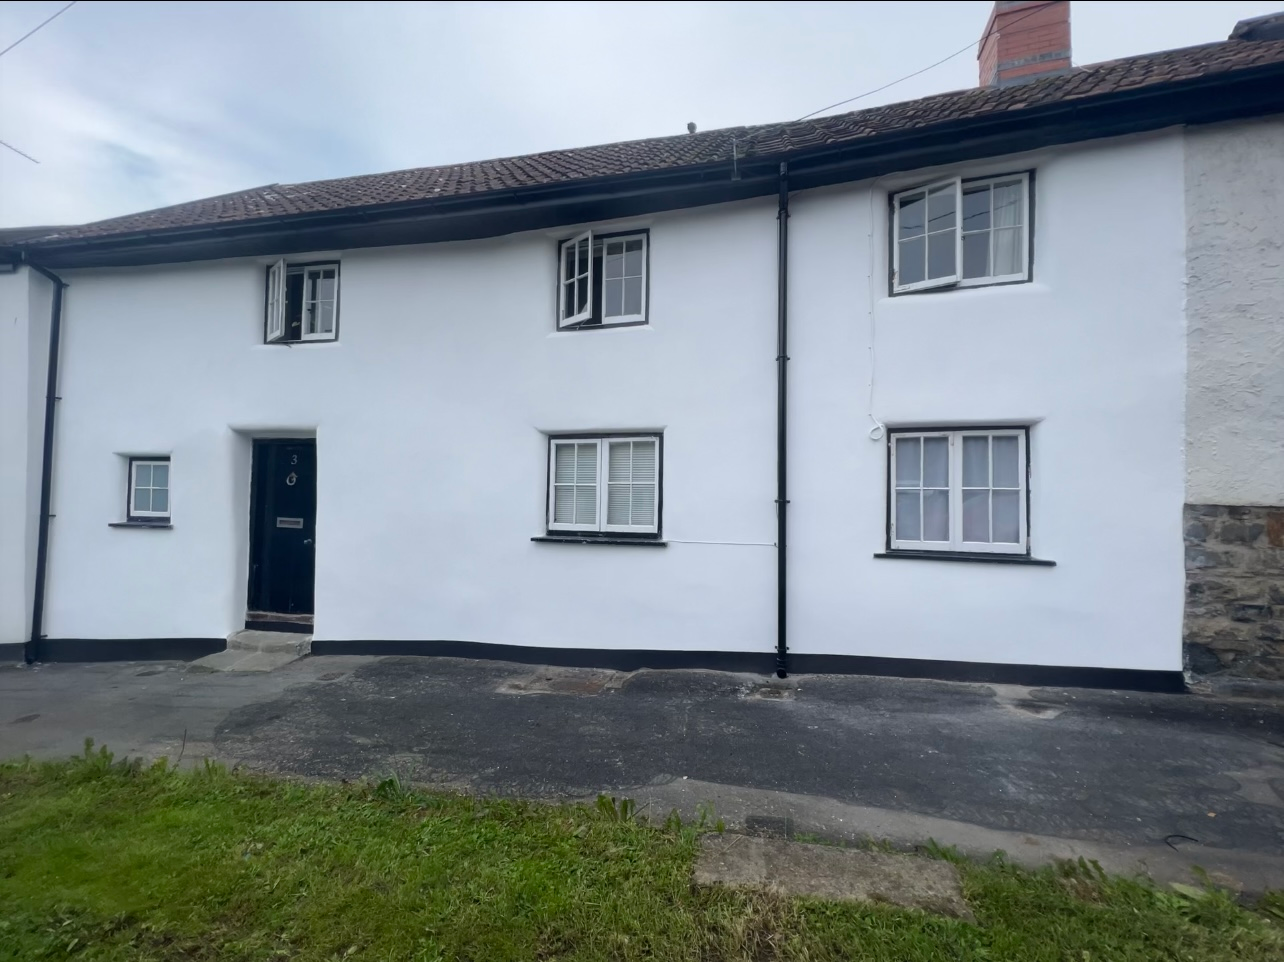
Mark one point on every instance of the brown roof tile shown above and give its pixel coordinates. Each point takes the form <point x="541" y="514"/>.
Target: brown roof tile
<point x="685" y="150"/>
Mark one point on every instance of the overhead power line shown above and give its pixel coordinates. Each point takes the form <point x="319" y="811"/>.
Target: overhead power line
<point x="870" y="93"/>
<point x="35" y="29"/>
<point x="19" y="152"/>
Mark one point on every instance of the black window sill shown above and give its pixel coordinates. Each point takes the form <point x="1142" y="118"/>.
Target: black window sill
<point x="159" y="523"/>
<point x="630" y="542"/>
<point x="984" y="557"/>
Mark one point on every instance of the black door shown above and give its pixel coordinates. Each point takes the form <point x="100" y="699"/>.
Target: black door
<point x="283" y="512"/>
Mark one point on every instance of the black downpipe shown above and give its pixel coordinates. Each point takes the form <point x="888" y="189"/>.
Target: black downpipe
<point x="31" y="650"/>
<point x="782" y="412"/>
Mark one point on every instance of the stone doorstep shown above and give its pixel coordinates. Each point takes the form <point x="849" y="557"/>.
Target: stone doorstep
<point x="828" y="872"/>
<point x="256" y="651"/>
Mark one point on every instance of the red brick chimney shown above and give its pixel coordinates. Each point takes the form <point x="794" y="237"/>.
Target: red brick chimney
<point x="1025" y="40"/>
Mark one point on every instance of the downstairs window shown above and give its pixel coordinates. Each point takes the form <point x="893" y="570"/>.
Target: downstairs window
<point x="604" y="484"/>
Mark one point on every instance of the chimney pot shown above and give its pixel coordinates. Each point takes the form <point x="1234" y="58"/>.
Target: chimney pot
<point x="1024" y="40"/>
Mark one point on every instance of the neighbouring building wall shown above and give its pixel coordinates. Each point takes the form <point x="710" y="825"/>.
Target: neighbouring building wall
<point x="25" y="299"/>
<point x="1235" y="398"/>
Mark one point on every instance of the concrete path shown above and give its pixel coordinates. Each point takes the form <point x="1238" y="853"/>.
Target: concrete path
<point x="1151" y="782"/>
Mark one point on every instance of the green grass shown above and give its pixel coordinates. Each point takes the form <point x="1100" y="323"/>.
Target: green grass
<point x="116" y="861"/>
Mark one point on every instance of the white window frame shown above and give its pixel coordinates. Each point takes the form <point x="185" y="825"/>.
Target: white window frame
<point x="597" y="285"/>
<point x="956" y="543"/>
<point x="602" y="444"/>
<point x="133" y="513"/>
<point x="957" y="279"/>
<point x="308" y="271"/>
<point x="276" y="321"/>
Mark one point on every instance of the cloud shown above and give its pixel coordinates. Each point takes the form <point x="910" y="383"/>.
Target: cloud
<point x="137" y="105"/>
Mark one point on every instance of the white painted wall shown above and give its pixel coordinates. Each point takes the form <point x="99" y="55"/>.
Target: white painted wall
<point x="1091" y="353"/>
<point x="429" y="415"/>
<point x="24" y="339"/>
<point x="1235" y="313"/>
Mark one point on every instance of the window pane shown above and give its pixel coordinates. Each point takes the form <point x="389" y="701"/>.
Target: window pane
<point x="160" y="475"/>
<point x="633" y="295"/>
<point x="582" y="256"/>
<point x="912" y="268"/>
<point x="1008" y="204"/>
<point x="325" y="287"/>
<point x="586" y="504"/>
<point x="941" y="209"/>
<point x="581" y="295"/>
<point x="643" y="461"/>
<point x="160" y="499"/>
<point x="976" y="516"/>
<point x="910" y="216"/>
<point x="618" y="460"/>
<point x="1006" y="470"/>
<point x="143" y="499"/>
<point x="976" y="462"/>
<point x="941" y="254"/>
<point x="644" y="504"/>
<point x="976" y="255"/>
<point x="936" y="463"/>
<point x="564" y="504"/>
<point x="907" y="524"/>
<point x="633" y="259"/>
<point x="976" y="208"/>
<point x="1007" y="517"/>
<point x="613" y="298"/>
<point x="564" y="463"/>
<point x="936" y="516"/>
<point x="614" y="265"/>
<point x="143" y="475"/>
<point x="325" y="318"/>
<point x="586" y="463"/>
<point x="617" y="504"/>
<point x="568" y="262"/>
<point x="1007" y="250"/>
<point x="907" y="462"/>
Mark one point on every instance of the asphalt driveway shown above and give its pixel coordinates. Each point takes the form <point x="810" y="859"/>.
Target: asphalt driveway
<point x="1137" y="781"/>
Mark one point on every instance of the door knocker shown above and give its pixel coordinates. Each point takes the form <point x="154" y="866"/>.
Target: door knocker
<point x="291" y="478"/>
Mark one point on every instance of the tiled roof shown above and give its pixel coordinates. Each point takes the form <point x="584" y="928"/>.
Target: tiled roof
<point x="687" y="150"/>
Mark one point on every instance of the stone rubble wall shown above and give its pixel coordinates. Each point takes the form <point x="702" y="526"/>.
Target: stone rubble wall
<point x="1234" y="621"/>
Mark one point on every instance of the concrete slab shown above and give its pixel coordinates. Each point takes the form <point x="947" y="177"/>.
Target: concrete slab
<point x="826" y="872"/>
<point x="251" y="650"/>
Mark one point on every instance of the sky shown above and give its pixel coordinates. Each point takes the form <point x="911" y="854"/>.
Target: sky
<point x="129" y="106"/>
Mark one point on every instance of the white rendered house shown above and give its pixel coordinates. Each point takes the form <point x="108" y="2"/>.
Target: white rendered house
<point x="903" y="390"/>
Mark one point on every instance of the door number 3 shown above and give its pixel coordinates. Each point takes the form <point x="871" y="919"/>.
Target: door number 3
<point x="294" y="459"/>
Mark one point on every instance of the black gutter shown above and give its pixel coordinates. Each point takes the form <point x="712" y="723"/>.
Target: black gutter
<point x="31" y="650"/>
<point x="782" y="418"/>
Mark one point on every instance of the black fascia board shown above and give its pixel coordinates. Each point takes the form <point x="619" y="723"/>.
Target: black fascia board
<point x="1223" y="96"/>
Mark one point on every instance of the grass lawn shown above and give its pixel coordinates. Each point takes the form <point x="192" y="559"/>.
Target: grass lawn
<point x="103" y="860"/>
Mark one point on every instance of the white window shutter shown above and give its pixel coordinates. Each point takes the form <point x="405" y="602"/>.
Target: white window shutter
<point x="576" y="280"/>
<point x="275" y="328"/>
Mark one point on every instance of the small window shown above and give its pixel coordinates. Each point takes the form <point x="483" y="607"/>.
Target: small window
<point x="609" y="484"/>
<point x="148" y="489"/>
<point x="602" y="280"/>
<point x="958" y="490"/>
<point x="961" y="233"/>
<point x="302" y="303"/>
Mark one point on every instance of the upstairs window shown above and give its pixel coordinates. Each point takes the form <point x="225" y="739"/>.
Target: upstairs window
<point x="148" y="489"/>
<point x="961" y="491"/>
<point x="607" y="484"/>
<point x="602" y="280"/>
<point x="961" y="233"/>
<point x="302" y="303"/>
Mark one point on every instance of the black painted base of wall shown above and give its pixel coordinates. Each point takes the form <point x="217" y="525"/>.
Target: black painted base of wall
<point x="764" y="663"/>
<point x="128" y="649"/>
<point x="11" y="654"/>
